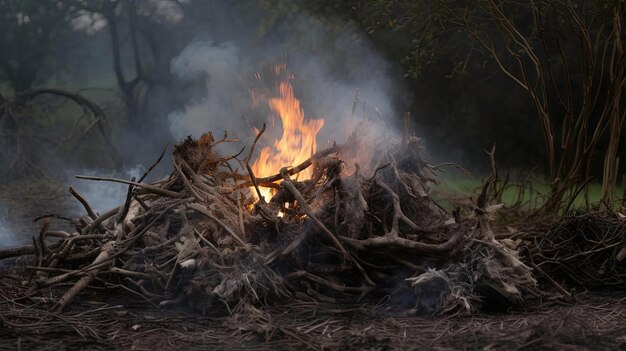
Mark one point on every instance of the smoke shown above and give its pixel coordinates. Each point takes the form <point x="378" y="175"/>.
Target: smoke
<point x="225" y="99"/>
<point x="103" y="196"/>
<point x="31" y="200"/>
<point x="223" y="60"/>
<point x="7" y="235"/>
<point x="330" y="62"/>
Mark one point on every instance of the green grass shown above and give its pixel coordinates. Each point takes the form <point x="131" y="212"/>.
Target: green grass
<point x="454" y="188"/>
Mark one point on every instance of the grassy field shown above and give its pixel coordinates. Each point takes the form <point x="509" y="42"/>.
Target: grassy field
<point x="460" y="189"/>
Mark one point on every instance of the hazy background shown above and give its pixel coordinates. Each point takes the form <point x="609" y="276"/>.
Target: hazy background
<point x="160" y="70"/>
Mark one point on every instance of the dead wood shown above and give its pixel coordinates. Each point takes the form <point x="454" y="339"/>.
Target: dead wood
<point x="147" y="187"/>
<point x="194" y="237"/>
<point x="84" y="281"/>
<point x="295" y="170"/>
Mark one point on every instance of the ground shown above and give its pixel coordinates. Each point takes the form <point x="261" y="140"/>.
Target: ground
<point x="24" y="200"/>
<point x="118" y="320"/>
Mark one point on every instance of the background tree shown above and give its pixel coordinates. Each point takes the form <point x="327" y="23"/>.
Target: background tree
<point x="29" y="31"/>
<point x="140" y="34"/>
<point x="568" y="57"/>
<point x="30" y="34"/>
<point x="458" y="100"/>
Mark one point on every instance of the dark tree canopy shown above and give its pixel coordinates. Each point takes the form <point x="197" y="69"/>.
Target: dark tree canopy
<point x="29" y="31"/>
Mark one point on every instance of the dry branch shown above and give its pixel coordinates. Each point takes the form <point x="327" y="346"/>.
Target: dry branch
<point x="294" y="170"/>
<point x="190" y="238"/>
<point x="148" y="187"/>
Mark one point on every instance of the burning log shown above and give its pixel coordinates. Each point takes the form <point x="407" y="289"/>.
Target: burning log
<point x="197" y="237"/>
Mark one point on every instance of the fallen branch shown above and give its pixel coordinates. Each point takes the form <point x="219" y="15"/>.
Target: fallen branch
<point x="148" y="187"/>
<point x="83" y="202"/>
<point x="402" y="243"/>
<point x="104" y="256"/>
<point x="294" y="170"/>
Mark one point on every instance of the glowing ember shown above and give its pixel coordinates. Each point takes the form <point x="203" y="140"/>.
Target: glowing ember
<point x="298" y="141"/>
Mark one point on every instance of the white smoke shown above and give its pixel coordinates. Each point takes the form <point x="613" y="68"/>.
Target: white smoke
<point x="225" y="97"/>
<point x="330" y="62"/>
<point x="7" y="235"/>
<point x="102" y="195"/>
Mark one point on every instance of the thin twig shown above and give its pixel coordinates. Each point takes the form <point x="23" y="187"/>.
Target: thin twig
<point x="83" y="202"/>
<point x="148" y="187"/>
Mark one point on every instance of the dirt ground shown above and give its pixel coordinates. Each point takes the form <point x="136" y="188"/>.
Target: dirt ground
<point x="116" y="319"/>
<point x="24" y="200"/>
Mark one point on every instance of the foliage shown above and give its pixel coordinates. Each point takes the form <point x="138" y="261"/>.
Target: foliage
<point x="566" y="55"/>
<point x="29" y="30"/>
<point x="410" y="31"/>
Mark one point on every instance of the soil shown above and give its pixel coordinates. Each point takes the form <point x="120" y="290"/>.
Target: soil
<point x="116" y="319"/>
<point x="24" y="200"/>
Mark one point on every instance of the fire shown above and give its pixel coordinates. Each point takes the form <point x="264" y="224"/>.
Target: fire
<point x="298" y="141"/>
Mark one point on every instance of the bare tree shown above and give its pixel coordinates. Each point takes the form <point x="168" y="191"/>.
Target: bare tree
<point x="134" y="27"/>
<point x="550" y="49"/>
<point x="29" y="32"/>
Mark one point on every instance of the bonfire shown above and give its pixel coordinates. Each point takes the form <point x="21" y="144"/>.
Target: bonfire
<point x="353" y="222"/>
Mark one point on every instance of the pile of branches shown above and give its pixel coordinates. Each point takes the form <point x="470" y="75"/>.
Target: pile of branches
<point x="198" y="237"/>
<point x="584" y="249"/>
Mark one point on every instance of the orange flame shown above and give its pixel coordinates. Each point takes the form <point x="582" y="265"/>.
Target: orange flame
<point x="298" y="141"/>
